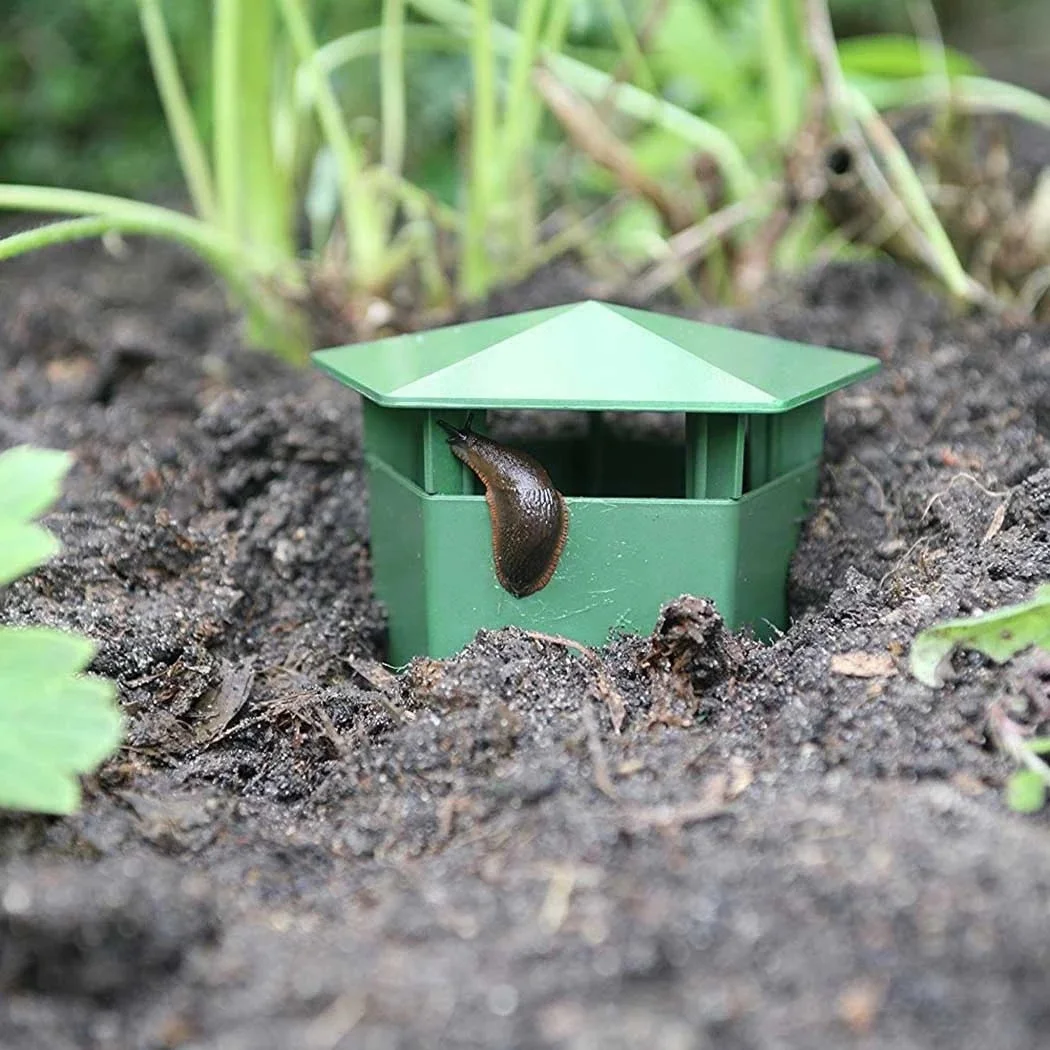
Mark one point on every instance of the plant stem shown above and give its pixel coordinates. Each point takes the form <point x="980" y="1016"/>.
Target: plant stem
<point x="912" y="194"/>
<point x="254" y="199"/>
<point x="784" y="98"/>
<point x="519" y="89"/>
<point x="894" y="184"/>
<point x="101" y="213"/>
<point x="626" y="98"/>
<point x="483" y="156"/>
<point x="205" y="239"/>
<point x="364" y="43"/>
<point x="635" y="63"/>
<point x="979" y="94"/>
<point x="56" y="233"/>
<point x="188" y="146"/>
<point x="392" y="85"/>
<point x="362" y="217"/>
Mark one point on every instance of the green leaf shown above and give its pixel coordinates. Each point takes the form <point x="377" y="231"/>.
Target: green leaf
<point x="999" y="635"/>
<point x="1026" y="791"/>
<point x="979" y="94"/>
<point x="890" y="55"/>
<point x="30" y="481"/>
<point x="54" y="721"/>
<point x="693" y="52"/>
<point x="23" y="548"/>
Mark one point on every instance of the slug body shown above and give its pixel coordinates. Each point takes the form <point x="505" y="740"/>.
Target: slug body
<point x="530" y="520"/>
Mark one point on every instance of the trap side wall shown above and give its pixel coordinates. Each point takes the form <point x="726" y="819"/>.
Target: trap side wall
<point x="432" y="562"/>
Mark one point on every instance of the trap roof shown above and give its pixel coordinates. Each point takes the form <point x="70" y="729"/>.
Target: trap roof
<point x="593" y="356"/>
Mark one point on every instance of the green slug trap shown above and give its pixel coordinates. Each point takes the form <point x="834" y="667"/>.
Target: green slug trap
<point x="569" y="470"/>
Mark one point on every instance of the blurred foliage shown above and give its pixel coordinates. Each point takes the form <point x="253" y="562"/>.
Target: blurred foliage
<point x="78" y="106"/>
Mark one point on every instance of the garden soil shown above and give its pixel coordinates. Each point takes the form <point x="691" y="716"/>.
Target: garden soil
<point x="789" y="846"/>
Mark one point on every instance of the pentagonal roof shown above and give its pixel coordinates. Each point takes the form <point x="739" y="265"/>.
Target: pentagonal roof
<point x="593" y="356"/>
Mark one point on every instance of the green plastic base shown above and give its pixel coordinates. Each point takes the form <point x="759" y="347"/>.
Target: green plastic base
<point x="432" y="561"/>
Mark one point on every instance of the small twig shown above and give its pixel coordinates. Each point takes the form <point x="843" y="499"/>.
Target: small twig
<point x="866" y="132"/>
<point x="559" y="895"/>
<point x="712" y="803"/>
<point x="689" y="246"/>
<point x="822" y="44"/>
<point x="902" y="560"/>
<point x="1012" y="739"/>
<point x="1036" y="285"/>
<point x="378" y="694"/>
<point x="613" y="701"/>
<point x="585" y="127"/>
<point x="951" y="484"/>
<point x="602" y="779"/>
<point x="331" y="1026"/>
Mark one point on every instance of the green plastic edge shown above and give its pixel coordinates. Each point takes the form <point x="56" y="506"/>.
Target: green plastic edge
<point x="863" y="366"/>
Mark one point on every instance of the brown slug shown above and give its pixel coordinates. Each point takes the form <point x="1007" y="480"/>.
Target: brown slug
<point x="530" y="520"/>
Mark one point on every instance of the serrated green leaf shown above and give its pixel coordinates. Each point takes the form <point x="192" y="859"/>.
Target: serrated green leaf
<point x="1026" y="791"/>
<point x="36" y="652"/>
<point x="998" y="635"/>
<point x="54" y="721"/>
<point x="29" y="784"/>
<point x="30" y="481"/>
<point x="896" y="56"/>
<point x="23" y="548"/>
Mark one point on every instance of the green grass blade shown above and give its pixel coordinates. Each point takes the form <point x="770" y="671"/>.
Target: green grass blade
<point x="977" y="94"/>
<point x="177" y="110"/>
<point x="255" y="197"/>
<point x="484" y="155"/>
<point x="238" y="267"/>
<point x="363" y="215"/>
<point x="520" y="93"/>
<point x="366" y="43"/>
<point x="783" y="89"/>
<point x="626" y="99"/>
<point x="392" y="85"/>
<point x="637" y="66"/>
<point x="60" y="233"/>
<point x="202" y="237"/>
<point x="898" y="56"/>
<point x="227" y="18"/>
<point x="915" y="199"/>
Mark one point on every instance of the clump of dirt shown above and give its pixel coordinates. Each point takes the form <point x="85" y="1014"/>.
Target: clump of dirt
<point x="793" y="845"/>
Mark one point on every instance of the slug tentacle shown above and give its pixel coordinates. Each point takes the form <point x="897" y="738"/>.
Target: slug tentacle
<point x="530" y="521"/>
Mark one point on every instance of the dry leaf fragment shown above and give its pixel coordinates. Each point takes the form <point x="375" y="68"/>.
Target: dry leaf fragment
<point x="710" y="804"/>
<point x="218" y="708"/>
<point x="996" y="524"/>
<point x="741" y="776"/>
<point x="863" y="665"/>
<point x="859" y="1004"/>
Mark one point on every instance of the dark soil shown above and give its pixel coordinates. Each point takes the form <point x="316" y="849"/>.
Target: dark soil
<point x="770" y="854"/>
